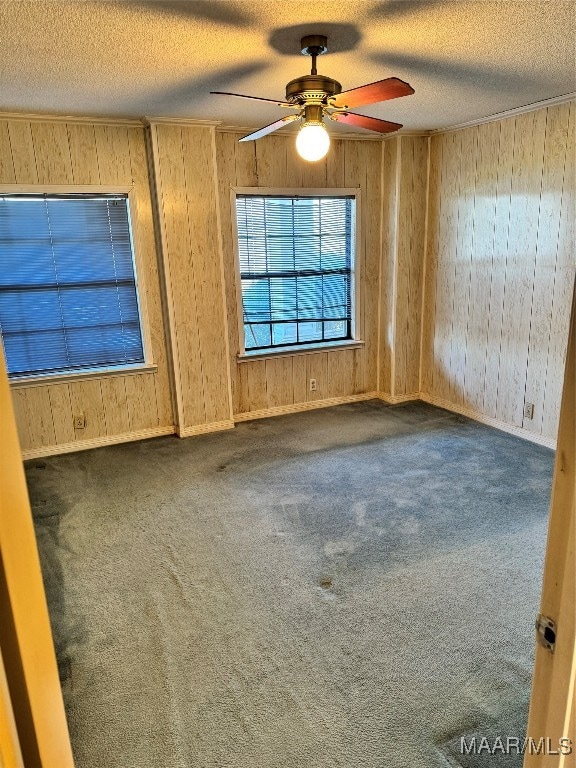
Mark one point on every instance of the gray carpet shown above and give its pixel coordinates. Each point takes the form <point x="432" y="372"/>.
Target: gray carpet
<point x="346" y="587"/>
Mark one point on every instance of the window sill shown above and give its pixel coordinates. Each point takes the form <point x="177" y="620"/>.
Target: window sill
<point x="308" y="349"/>
<point x="93" y="373"/>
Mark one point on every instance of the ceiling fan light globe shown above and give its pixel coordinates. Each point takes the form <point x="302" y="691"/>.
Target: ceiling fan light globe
<point x="313" y="142"/>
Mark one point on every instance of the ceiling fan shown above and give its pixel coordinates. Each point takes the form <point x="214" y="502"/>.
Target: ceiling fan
<point x="317" y="97"/>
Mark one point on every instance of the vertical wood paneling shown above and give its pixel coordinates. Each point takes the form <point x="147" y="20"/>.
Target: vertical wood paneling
<point x="390" y="154"/>
<point x="61" y="408"/>
<point x="546" y="261"/>
<point x="226" y="158"/>
<point x="86" y="398"/>
<point x="481" y="256"/>
<point x="52" y="153"/>
<point x="245" y="162"/>
<point x="60" y="153"/>
<point x="188" y="206"/>
<point x="7" y="172"/>
<point x="115" y="403"/>
<point x="500" y="267"/>
<point x="431" y="276"/>
<point x="299" y="381"/>
<point x="448" y="228"/>
<point x="182" y="295"/>
<point x="20" y="138"/>
<point x="409" y="254"/>
<point x="563" y="282"/>
<point x="140" y="388"/>
<point x="256" y="385"/>
<point x="335" y="171"/>
<point x="279" y="387"/>
<point x="273" y="162"/>
<point x="522" y="238"/>
<point x="340" y="364"/>
<point x="161" y="408"/>
<point x="355" y="176"/>
<point x="365" y="370"/>
<point x="463" y="265"/>
<point x="83" y="154"/>
<point x="453" y="287"/>
<point x="317" y="368"/>
<point x="500" y="256"/>
<point x="212" y="327"/>
<point x="40" y="418"/>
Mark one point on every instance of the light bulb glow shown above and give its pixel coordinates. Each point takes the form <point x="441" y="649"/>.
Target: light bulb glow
<point x="313" y="142"/>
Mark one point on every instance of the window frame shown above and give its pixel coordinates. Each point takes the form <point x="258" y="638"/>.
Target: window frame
<point x="132" y="205"/>
<point x="355" y="315"/>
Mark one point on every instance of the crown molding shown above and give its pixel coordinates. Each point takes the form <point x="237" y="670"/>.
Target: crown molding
<point x="407" y="134"/>
<point x="555" y="100"/>
<point x="180" y="121"/>
<point x="410" y="133"/>
<point x="137" y="122"/>
<point x="34" y="117"/>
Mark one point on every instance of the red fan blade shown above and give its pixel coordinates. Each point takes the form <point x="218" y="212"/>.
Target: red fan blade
<point x="372" y="123"/>
<point x="391" y="88"/>
<point x="269" y="128"/>
<point x="254" y="98"/>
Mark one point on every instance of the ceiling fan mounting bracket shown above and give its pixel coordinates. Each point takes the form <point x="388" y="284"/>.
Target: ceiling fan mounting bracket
<point x="314" y="45"/>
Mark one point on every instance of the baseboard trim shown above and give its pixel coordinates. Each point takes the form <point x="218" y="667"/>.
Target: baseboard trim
<point x="547" y="442"/>
<point x="282" y="410"/>
<point x="95" y="442"/>
<point x="202" y="429"/>
<point x="395" y="399"/>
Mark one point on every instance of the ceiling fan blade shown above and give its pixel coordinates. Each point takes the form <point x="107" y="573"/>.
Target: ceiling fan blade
<point x="391" y="88"/>
<point x="362" y="121"/>
<point x="254" y="98"/>
<point x="269" y="128"/>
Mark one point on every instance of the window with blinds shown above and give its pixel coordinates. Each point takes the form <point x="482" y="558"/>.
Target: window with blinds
<point x="296" y="267"/>
<point x="68" y="299"/>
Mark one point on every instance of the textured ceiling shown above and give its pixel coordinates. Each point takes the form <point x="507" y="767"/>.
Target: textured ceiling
<point x="466" y="60"/>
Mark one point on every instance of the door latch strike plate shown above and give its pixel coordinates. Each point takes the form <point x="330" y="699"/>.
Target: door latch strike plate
<point x="546" y="632"/>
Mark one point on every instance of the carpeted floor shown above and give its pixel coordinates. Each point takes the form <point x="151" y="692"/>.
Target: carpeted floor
<point x="350" y="587"/>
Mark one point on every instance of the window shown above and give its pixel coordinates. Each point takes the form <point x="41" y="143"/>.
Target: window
<point x="296" y="260"/>
<point x="68" y="298"/>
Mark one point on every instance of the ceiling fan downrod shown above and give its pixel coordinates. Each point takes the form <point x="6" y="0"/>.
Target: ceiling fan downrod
<point x="312" y="88"/>
<point x="314" y="46"/>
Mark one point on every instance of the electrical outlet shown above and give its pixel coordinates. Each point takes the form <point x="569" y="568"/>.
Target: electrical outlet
<point x="313" y="385"/>
<point x="529" y="410"/>
<point x="79" y="421"/>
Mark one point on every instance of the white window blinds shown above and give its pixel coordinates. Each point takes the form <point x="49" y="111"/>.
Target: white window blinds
<point x="68" y="296"/>
<point x="296" y="267"/>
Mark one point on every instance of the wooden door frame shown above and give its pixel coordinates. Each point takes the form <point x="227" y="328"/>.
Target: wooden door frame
<point x="552" y="705"/>
<point x="25" y="635"/>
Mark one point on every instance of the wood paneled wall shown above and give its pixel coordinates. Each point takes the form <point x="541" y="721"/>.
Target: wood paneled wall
<point x="479" y="325"/>
<point x="405" y="175"/>
<point x="500" y="267"/>
<point x="36" y="153"/>
<point x="259" y="385"/>
<point x="185" y="170"/>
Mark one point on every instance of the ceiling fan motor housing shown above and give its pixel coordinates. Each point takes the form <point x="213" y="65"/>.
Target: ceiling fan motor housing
<point x="317" y="88"/>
